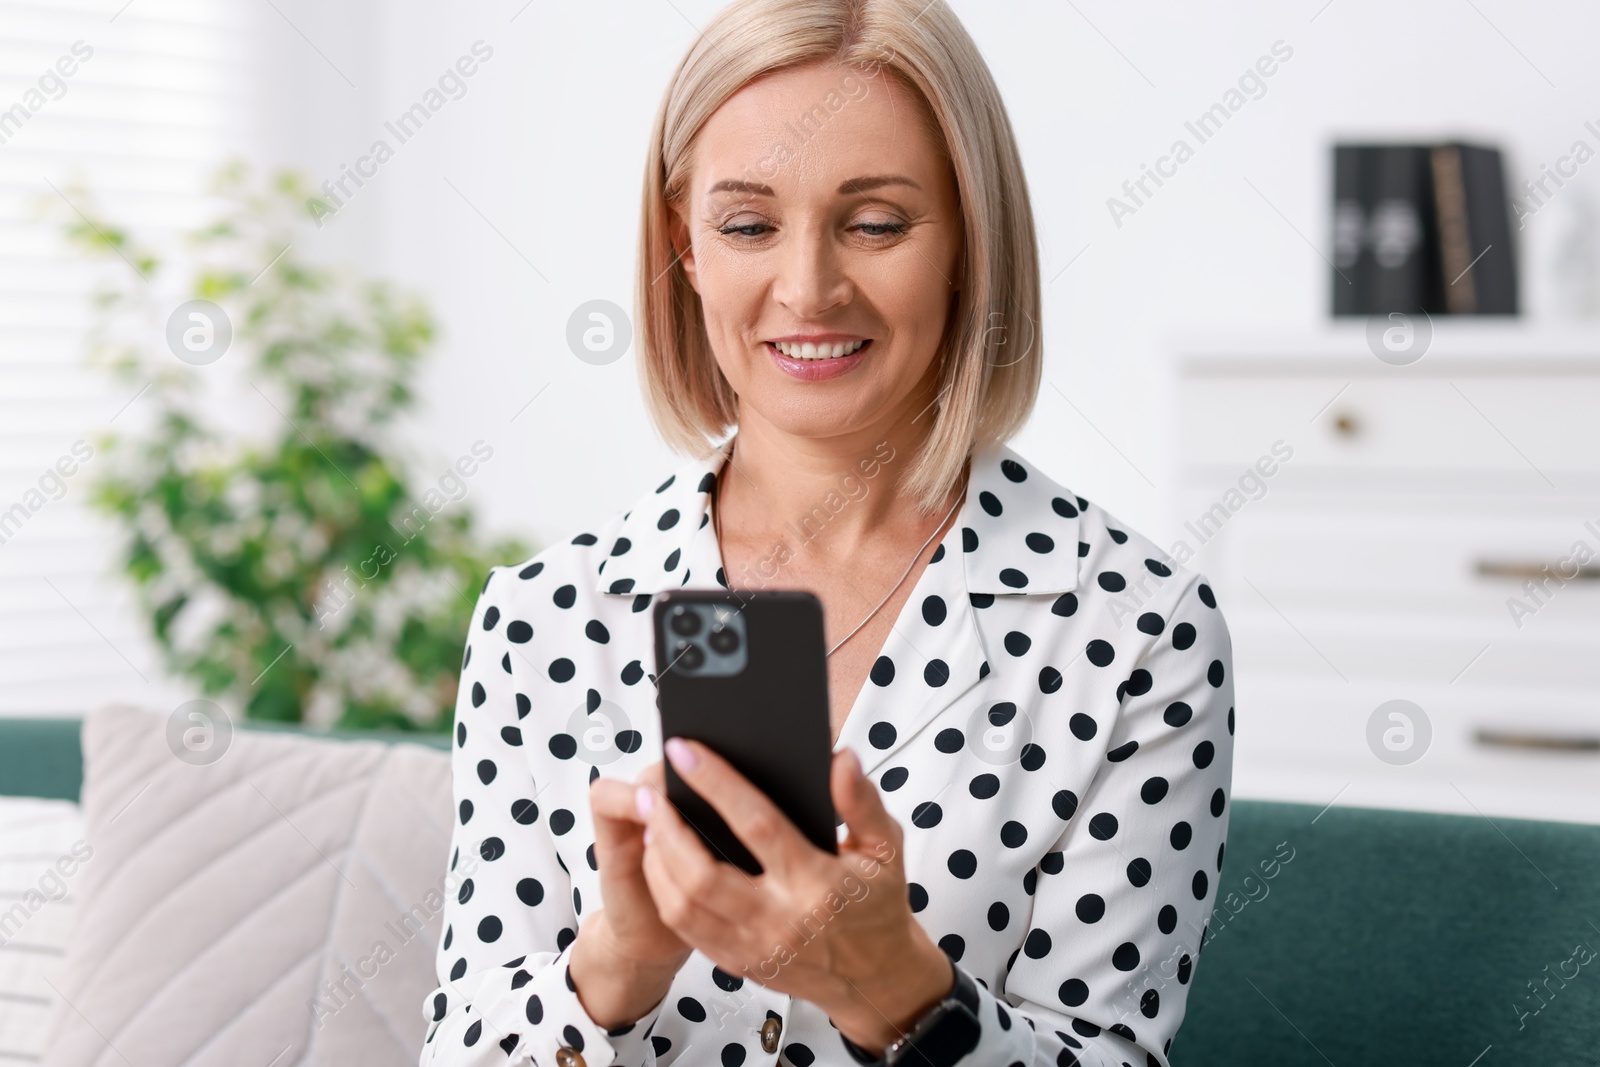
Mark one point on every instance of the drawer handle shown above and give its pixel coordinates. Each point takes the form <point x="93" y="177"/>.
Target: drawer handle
<point x="1501" y="739"/>
<point x="1587" y="572"/>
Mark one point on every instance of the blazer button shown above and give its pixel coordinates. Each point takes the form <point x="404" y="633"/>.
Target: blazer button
<point x="769" y="1033"/>
<point x="569" y="1057"/>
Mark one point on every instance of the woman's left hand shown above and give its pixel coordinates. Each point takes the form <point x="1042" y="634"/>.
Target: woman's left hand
<point x="837" y="931"/>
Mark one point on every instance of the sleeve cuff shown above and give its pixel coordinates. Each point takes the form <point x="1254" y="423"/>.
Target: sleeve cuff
<point x="535" y="1001"/>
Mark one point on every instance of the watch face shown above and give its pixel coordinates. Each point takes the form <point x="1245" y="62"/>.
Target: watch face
<point x="942" y="1041"/>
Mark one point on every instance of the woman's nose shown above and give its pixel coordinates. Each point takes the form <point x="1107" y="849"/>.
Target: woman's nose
<point x="810" y="278"/>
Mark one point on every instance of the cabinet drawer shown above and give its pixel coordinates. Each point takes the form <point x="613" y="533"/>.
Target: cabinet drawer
<point x="1538" y="425"/>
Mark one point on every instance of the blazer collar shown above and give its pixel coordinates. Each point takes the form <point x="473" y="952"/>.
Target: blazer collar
<point x="1018" y="531"/>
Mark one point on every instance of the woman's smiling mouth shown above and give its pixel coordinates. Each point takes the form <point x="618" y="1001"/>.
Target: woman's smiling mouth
<point x="811" y="361"/>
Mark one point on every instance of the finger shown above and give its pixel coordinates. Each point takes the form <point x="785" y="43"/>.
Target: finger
<point x="872" y="830"/>
<point x="765" y="830"/>
<point x="697" y="897"/>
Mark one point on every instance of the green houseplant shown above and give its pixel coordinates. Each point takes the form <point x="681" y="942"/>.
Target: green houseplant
<point x="305" y="571"/>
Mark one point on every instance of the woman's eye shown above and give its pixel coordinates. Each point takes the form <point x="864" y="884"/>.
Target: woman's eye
<point x="882" y="229"/>
<point x="744" y="230"/>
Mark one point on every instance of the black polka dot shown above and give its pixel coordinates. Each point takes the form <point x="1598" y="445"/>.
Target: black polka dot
<point x="999" y="916"/>
<point x="962" y="863"/>
<point x="1040" y="543"/>
<point x="1103" y="826"/>
<point x="1073" y="992"/>
<point x="882" y="671"/>
<point x="933" y="610"/>
<point x="1126" y="957"/>
<point x="1091" y="907"/>
<point x="691" y="1009"/>
<point x="1111" y="581"/>
<point x="881" y="735"/>
<point x="1182" y="636"/>
<point x="894" y="778"/>
<point x="1065" y="804"/>
<point x="1100" y="652"/>
<point x="984" y="786"/>
<point x="1154" y="790"/>
<point x="1182" y="833"/>
<point x="1177" y="713"/>
<point x="949" y="741"/>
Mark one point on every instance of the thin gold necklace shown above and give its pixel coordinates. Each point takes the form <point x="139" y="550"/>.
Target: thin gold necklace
<point x="716" y="525"/>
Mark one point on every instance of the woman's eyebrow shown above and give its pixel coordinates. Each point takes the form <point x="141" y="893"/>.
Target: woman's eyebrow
<point x="852" y="185"/>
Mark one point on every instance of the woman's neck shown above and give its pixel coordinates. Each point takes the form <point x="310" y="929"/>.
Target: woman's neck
<point x="829" y="497"/>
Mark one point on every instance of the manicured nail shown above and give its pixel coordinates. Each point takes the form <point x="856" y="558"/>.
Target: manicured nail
<point x="681" y="755"/>
<point x="643" y="800"/>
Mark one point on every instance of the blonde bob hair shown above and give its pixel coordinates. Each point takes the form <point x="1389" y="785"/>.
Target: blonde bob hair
<point x="989" y="362"/>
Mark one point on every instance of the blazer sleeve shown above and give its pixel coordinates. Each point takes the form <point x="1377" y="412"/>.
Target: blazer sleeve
<point x="505" y="995"/>
<point x="1121" y="905"/>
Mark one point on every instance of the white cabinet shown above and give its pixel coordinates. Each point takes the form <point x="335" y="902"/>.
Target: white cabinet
<point x="1434" y="537"/>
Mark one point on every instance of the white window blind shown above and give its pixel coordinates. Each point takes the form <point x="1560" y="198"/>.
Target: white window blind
<point x="157" y="95"/>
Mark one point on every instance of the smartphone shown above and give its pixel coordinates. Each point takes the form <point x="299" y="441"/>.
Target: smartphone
<point x="747" y="675"/>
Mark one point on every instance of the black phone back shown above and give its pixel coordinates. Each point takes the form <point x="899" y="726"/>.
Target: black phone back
<point x="747" y="675"/>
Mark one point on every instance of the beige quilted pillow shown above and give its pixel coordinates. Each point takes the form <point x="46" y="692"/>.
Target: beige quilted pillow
<point x="278" y="906"/>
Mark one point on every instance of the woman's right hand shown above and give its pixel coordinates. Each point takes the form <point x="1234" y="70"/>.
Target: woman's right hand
<point x="625" y="957"/>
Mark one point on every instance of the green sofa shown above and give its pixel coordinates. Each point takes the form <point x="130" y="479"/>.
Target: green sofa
<point x="1344" y="936"/>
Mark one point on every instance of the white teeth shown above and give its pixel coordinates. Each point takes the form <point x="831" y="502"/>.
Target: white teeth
<point x="812" y="351"/>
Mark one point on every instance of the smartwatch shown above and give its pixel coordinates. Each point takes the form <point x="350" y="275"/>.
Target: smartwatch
<point x="943" y="1034"/>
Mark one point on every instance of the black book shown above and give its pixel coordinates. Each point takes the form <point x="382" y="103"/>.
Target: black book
<point x="1402" y="233"/>
<point x="1352" y="203"/>
<point x="1476" y="258"/>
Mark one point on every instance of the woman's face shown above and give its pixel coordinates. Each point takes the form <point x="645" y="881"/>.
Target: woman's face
<point x="821" y="207"/>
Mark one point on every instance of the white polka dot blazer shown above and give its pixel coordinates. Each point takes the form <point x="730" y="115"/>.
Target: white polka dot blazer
<point x="1050" y="719"/>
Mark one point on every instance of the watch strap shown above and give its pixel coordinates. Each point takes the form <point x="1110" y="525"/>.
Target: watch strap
<point x="940" y="1037"/>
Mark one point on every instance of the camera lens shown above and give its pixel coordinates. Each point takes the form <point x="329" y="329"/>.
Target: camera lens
<point x="684" y="621"/>
<point x="688" y="657"/>
<point x="723" y="639"/>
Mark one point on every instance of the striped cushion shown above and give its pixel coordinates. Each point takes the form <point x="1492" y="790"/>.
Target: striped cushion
<point x="42" y="857"/>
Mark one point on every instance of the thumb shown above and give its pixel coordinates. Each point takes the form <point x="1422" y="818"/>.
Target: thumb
<point x="858" y="802"/>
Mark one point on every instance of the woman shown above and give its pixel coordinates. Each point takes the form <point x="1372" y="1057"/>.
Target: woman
<point x="1031" y="707"/>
